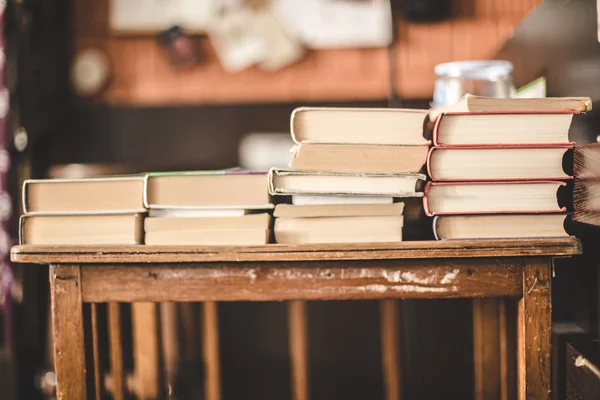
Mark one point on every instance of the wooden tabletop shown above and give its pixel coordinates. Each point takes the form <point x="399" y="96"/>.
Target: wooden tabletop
<point x="560" y="247"/>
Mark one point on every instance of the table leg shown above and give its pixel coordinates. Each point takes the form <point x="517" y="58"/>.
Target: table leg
<point x="67" y="324"/>
<point x="494" y="349"/>
<point x="535" y="331"/>
<point x="390" y="349"/>
<point x="298" y="342"/>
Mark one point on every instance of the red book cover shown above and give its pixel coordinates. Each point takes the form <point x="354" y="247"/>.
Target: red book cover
<point x="430" y="213"/>
<point x="438" y="122"/>
<point x="507" y="146"/>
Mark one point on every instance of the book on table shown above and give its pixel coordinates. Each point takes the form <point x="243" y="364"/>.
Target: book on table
<point x="586" y="192"/>
<point x="379" y="126"/>
<point x="358" y="140"/>
<point x="226" y="207"/>
<point x="247" y="229"/>
<point x="485" y="163"/>
<point x="494" y="197"/>
<point x="499" y="226"/>
<point x="479" y="120"/>
<point x="221" y="189"/>
<point x="81" y="196"/>
<point x="480" y="104"/>
<point x="82" y="229"/>
<point x="288" y="182"/>
<point x="91" y="211"/>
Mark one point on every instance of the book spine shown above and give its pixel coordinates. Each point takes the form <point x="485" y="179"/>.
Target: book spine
<point x="428" y="162"/>
<point x="426" y="199"/>
<point x="434" y="225"/>
<point x="436" y="130"/>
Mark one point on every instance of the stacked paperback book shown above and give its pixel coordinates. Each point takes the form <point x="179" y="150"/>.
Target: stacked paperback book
<point x="499" y="167"/>
<point x="349" y="168"/>
<point x="586" y="193"/>
<point x="194" y="208"/>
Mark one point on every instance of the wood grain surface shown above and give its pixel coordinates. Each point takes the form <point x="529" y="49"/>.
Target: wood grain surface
<point x="278" y="252"/>
<point x="298" y="342"/>
<point x="535" y="331"/>
<point x="390" y="349"/>
<point x="325" y="280"/>
<point x="67" y="322"/>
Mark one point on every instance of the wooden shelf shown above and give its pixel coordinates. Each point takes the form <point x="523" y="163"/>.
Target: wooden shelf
<point x="141" y="74"/>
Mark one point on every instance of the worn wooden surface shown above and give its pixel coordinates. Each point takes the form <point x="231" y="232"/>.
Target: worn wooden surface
<point x="169" y="340"/>
<point x="298" y="337"/>
<point x="67" y="322"/>
<point x="212" y="358"/>
<point x="117" y="370"/>
<point x="535" y="331"/>
<point x="492" y="345"/>
<point x="145" y="350"/>
<point x="341" y="280"/>
<point x="390" y="349"/>
<point x="97" y="354"/>
<point x="508" y="348"/>
<point x="279" y="252"/>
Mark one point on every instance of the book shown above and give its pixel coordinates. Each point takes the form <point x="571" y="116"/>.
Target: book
<point x="286" y="182"/>
<point x="193" y="212"/>
<point x="339" y="229"/>
<point x="310" y="200"/>
<point x="493" y="197"/>
<point x="506" y="163"/>
<point x="586" y="195"/>
<point x="225" y="189"/>
<point x="393" y="126"/>
<point x="509" y="128"/>
<point x="359" y="158"/>
<point x="480" y="104"/>
<point x="586" y="190"/>
<point x="84" y="196"/>
<point x="210" y="237"/>
<point x="586" y="161"/>
<point x="499" y="226"/>
<point x="337" y="210"/>
<point x="107" y="229"/>
<point x="177" y="224"/>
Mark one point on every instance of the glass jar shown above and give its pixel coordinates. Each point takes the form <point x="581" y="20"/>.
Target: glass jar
<point x="484" y="78"/>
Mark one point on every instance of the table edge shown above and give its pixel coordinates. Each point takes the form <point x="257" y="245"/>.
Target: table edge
<point x="559" y="247"/>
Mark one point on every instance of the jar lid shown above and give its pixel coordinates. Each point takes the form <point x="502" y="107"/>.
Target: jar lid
<point x="488" y="69"/>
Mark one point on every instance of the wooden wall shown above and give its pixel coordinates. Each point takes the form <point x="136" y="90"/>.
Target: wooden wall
<point x="142" y="76"/>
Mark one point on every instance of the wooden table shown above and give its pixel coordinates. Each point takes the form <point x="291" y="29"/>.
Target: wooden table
<point x="447" y="269"/>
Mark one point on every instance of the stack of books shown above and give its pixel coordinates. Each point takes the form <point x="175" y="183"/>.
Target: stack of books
<point x="227" y="207"/>
<point x="498" y="167"/>
<point x="348" y="168"/>
<point x="94" y="211"/>
<point x="586" y="193"/>
<point x="185" y="208"/>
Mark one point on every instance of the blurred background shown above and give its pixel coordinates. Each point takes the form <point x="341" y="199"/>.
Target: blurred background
<point x="96" y="87"/>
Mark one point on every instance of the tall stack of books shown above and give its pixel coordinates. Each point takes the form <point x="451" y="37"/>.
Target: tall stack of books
<point x="586" y="193"/>
<point x="227" y="207"/>
<point x="95" y="211"/>
<point x="499" y="167"/>
<point x="349" y="168"/>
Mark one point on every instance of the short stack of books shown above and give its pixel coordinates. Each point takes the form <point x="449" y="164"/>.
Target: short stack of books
<point x="348" y="168"/>
<point x="498" y="167"/>
<point x="108" y="211"/>
<point x="228" y="207"/>
<point x="586" y="193"/>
